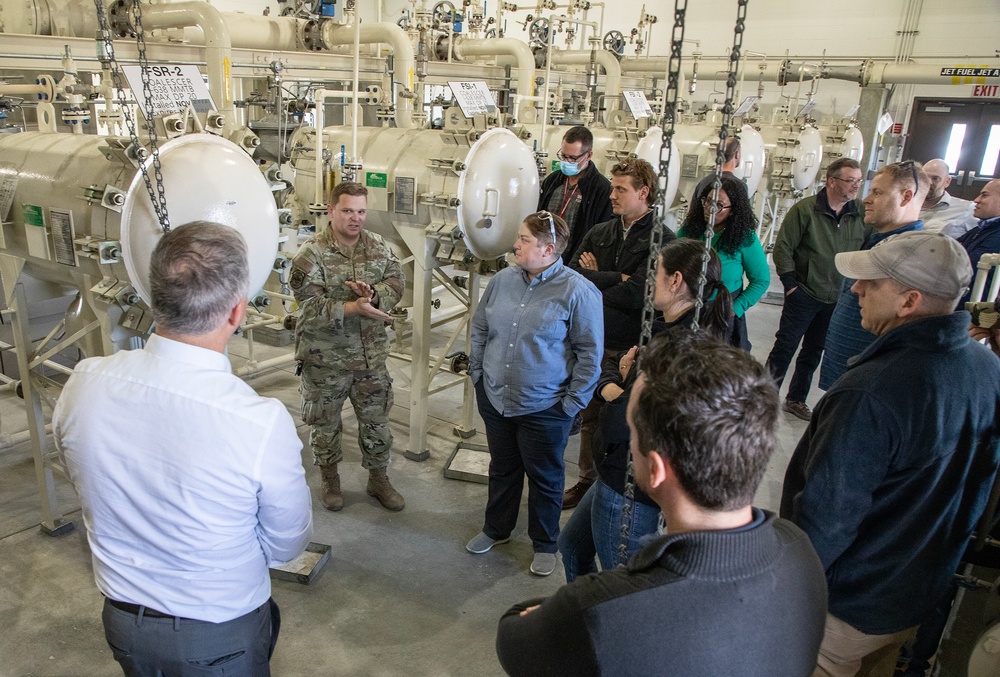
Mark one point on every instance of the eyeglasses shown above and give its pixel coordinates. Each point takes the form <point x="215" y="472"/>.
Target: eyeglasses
<point x="718" y="206"/>
<point x="571" y="158"/>
<point x="849" y="182"/>
<point x="552" y="224"/>
<point x="911" y="165"/>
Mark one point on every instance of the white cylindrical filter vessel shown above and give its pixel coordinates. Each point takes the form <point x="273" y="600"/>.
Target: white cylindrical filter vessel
<point x="474" y="188"/>
<point x="78" y="212"/>
<point x="649" y="149"/>
<point x="697" y="144"/>
<point x="841" y="139"/>
<point x="795" y="155"/>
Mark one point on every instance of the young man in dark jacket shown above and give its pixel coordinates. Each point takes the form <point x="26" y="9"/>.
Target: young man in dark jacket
<point x="896" y="466"/>
<point x="614" y="256"/>
<point x="578" y="192"/>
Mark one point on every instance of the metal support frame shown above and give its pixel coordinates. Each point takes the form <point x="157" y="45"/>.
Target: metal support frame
<point x="423" y="367"/>
<point x="871" y="108"/>
<point x="53" y="522"/>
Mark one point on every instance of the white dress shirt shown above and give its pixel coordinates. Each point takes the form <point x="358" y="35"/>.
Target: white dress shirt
<point x="951" y="216"/>
<point x="190" y="482"/>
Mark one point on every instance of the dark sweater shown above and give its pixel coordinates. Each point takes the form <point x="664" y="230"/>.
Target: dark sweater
<point x="894" y="469"/>
<point x="595" y="207"/>
<point x="983" y="239"/>
<point x="611" y="437"/>
<point x="749" y="602"/>
<point x="617" y="255"/>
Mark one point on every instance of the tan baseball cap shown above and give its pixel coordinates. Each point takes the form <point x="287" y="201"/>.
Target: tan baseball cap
<point x="932" y="263"/>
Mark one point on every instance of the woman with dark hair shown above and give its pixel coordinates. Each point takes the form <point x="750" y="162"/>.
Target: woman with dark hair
<point x="594" y="528"/>
<point x="739" y="249"/>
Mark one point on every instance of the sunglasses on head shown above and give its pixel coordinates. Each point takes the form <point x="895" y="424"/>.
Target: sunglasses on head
<point x="552" y="224"/>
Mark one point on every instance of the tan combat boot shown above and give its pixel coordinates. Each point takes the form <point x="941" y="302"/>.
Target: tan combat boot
<point x="380" y="488"/>
<point x="329" y="490"/>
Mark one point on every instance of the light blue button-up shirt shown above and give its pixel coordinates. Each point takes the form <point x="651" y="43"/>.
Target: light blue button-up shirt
<point x="538" y="342"/>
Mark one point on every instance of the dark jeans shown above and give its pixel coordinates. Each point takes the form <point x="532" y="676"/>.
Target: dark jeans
<point x="805" y="319"/>
<point x="594" y="528"/>
<point x="145" y="646"/>
<point x="531" y="445"/>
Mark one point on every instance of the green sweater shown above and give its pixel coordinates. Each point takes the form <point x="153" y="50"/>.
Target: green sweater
<point x="750" y="261"/>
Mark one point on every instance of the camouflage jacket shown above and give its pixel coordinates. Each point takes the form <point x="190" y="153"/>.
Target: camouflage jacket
<point x="323" y="335"/>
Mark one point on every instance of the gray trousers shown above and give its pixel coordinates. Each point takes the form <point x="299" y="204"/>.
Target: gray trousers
<point x="146" y="646"/>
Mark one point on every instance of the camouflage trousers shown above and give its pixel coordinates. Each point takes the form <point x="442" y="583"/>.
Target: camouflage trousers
<point x="323" y="395"/>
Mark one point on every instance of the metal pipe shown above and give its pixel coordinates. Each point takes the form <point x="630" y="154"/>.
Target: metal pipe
<point x="402" y="49"/>
<point x="19" y="90"/>
<point x="218" y="48"/>
<point x="256" y="367"/>
<point x="354" y="102"/>
<point x="517" y="50"/>
<point x="604" y="59"/>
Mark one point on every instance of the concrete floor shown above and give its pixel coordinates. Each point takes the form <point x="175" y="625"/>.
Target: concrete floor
<point x="400" y="595"/>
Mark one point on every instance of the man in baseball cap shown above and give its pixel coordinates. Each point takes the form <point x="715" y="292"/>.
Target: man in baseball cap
<point x="894" y="470"/>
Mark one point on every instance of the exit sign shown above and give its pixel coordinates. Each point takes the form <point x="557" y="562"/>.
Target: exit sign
<point x="986" y="91"/>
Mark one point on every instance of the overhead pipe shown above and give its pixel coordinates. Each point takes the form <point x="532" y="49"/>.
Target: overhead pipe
<point x="218" y="48"/>
<point x="519" y="51"/>
<point x="881" y="72"/>
<point x="604" y="59"/>
<point x="865" y="73"/>
<point x="280" y="33"/>
<point x="404" y="60"/>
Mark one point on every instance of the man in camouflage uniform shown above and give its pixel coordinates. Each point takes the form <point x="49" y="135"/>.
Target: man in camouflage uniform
<point x="344" y="280"/>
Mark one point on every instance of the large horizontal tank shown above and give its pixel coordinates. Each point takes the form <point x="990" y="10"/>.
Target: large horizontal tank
<point x="76" y="210"/>
<point x="469" y="189"/>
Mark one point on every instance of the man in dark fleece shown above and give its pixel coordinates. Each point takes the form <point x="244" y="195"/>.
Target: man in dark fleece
<point x="730" y="588"/>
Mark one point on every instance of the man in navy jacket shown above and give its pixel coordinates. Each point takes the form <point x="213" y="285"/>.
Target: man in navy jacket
<point x="984" y="238"/>
<point x="895" y="468"/>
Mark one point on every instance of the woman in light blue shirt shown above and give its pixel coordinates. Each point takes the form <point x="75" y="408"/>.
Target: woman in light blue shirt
<point x="537" y="340"/>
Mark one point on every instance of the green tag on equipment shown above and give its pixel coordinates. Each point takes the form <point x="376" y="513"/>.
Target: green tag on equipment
<point x="32" y="215"/>
<point x="376" y="180"/>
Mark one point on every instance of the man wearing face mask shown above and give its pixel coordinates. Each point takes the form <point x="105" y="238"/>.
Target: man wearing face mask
<point x="578" y="192"/>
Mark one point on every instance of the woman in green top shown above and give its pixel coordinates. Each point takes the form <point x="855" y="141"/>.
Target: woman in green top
<point x="736" y="243"/>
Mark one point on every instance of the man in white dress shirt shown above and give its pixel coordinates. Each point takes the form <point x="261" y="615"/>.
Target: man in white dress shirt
<point x="942" y="213"/>
<point x="191" y="484"/>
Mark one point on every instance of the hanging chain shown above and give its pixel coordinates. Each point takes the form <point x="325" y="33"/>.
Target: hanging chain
<point x="667" y="126"/>
<point x="720" y="158"/>
<point x="158" y="196"/>
<point x="655" y="242"/>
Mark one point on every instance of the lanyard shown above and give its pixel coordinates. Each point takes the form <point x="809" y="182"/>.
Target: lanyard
<point x="567" y="198"/>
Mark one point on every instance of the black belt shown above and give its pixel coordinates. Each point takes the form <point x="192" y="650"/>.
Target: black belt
<point x="134" y="609"/>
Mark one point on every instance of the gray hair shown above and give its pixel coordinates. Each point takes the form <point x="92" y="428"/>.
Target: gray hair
<point x="197" y="273"/>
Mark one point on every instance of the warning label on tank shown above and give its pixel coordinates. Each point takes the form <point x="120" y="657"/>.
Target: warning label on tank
<point x="473" y="98"/>
<point x="61" y="222"/>
<point x="172" y="88"/>
<point x="376" y="180"/>
<point x="8" y="184"/>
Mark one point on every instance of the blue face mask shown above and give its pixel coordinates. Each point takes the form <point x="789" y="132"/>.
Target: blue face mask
<point x="569" y="168"/>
